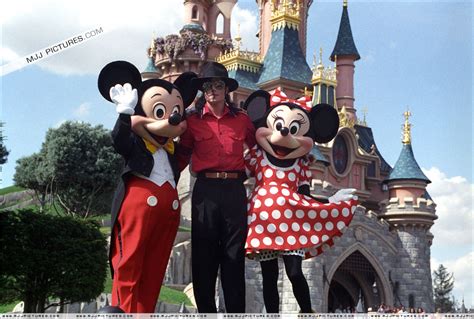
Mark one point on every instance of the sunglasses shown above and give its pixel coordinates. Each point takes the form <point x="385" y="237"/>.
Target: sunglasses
<point x="216" y="85"/>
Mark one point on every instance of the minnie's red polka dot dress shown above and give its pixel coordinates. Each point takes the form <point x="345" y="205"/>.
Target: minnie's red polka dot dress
<point x="281" y="221"/>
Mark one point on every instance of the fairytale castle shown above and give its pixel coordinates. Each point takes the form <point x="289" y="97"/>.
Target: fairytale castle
<point x="384" y="256"/>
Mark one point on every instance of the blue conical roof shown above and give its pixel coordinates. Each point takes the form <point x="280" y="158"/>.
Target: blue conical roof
<point x="345" y="42"/>
<point x="150" y="67"/>
<point x="284" y="58"/>
<point x="406" y="167"/>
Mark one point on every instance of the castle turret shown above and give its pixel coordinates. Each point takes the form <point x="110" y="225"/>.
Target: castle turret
<point x="344" y="54"/>
<point x="266" y="8"/>
<point x="212" y="16"/>
<point x="324" y="83"/>
<point x="205" y="35"/>
<point x="410" y="213"/>
<point x="285" y="64"/>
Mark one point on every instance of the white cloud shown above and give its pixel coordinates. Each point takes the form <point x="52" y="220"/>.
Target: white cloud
<point x="454" y="197"/>
<point x="463" y="276"/>
<point x="29" y="26"/>
<point x="7" y="55"/>
<point x="82" y="110"/>
<point x="248" y="27"/>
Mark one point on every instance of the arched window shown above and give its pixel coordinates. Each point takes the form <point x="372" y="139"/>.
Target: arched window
<point x="194" y="14"/>
<point x="340" y="154"/>
<point x="220" y="24"/>
<point x="324" y="91"/>
<point x="411" y="301"/>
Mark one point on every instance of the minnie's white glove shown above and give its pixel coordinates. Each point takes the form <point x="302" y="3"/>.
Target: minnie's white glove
<point x="344" y="194"/>
<point x="124" y="97"/>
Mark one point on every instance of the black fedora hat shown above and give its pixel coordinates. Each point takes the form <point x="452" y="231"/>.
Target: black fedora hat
<point x="214" y="71"/>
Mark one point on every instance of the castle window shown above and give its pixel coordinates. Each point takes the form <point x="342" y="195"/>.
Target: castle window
<point x="194" y="14"/>
<point x="324" y="93"/>
<point x="220" y="24"/>
<point x="331" y="100"/>
<point x="340" y="154"/>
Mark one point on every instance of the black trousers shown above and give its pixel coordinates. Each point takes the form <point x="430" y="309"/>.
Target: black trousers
<point x="218" y="233"/>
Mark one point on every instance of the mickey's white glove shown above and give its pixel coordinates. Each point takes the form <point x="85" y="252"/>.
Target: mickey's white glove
<point x="124" y="97"/>
<point x="344" y="194"/>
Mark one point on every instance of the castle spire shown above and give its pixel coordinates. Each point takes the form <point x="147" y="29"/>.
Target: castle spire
<point x="406" y="167"/>
<point x="406" y="128"/>
<point x="285" y="59"/>
<point x="345" y="45"/>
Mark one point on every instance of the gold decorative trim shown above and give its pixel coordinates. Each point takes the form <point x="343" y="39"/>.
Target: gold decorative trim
<point x="344" y="119"/>
<point x="285" y="14"/>
<point x="241" y="60"/>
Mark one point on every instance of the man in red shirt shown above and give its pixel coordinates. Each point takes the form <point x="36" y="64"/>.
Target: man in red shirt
<point x="214" y="141"/>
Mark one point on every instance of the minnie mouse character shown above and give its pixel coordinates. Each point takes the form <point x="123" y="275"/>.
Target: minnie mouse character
<point x="145" y="211"/>
<point x="283" y="219"/>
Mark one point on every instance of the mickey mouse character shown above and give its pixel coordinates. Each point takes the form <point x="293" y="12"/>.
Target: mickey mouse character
<point x="283" y="219"/>
<point x="145" y="211"/>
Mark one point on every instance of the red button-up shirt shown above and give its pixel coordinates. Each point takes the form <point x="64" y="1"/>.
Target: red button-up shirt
<point x="216" y="144"/>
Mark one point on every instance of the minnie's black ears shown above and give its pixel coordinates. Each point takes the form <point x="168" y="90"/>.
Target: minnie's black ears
<point x="325" y="122"/>
<point x="256" y="105"/>
<point x="117" y="72"/>
<point x="188" y="91"/>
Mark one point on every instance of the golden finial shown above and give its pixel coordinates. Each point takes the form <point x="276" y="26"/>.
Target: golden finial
<point x="320" y="55"/>
<point x="238" y="38"/>
<point x="152" y="46"/>
<point x="407" y="128"/>
<point x="364" y="113"/>
<point x="345" y="3"/>
<point x="314" y="60"/>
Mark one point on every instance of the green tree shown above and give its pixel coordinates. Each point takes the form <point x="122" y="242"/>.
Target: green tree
<point x="32" y="172"/>
<point x="45" y="256"/>
<point x="443" y="284"/>
<point x="3" y="150"/>
<point x="84" y="165"/>
<point x="3" y="153"/>
<point x="77" y="165"/>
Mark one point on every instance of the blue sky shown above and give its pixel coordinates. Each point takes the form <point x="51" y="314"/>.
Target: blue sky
<point x="413" y="54"/>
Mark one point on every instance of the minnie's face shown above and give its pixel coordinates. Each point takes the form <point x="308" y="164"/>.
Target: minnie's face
<point x="284" y="136"/>
<point x="163" y="112"/>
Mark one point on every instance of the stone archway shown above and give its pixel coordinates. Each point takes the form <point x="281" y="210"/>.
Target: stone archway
<point x="354" y="275"/>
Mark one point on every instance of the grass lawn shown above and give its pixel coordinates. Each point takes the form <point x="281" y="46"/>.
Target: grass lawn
<point x="10" y="189"/>
<point x="173" y="296"/>
<point x="168" y="295"/>
<point x="8" y="307"/>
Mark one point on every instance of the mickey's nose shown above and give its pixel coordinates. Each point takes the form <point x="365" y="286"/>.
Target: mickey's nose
<point x="174" y="119"/>
<point x="284" y="131"/>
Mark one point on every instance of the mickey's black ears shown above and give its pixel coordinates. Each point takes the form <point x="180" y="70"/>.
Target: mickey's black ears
<point x="325" y="122"/>
<point x="256" y="105"/>
<point x="117" y="72"/>
<point x="188" y="91"/>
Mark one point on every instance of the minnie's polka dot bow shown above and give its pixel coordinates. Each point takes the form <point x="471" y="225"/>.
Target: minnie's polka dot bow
<point x="280" y="97"/>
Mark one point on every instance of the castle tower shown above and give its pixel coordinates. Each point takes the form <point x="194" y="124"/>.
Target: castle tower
<point x="212" y="15"/>
<point x="265" y="8"/>
<point x="285" y="64"/>
<point x="344" y="54"/>
<point x="410" y="213"/>
<point x="205" y="35"/>
<point x="324" y="83"/>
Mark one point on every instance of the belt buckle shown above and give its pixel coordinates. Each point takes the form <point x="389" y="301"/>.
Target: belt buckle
<point x="222" y="175"/>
